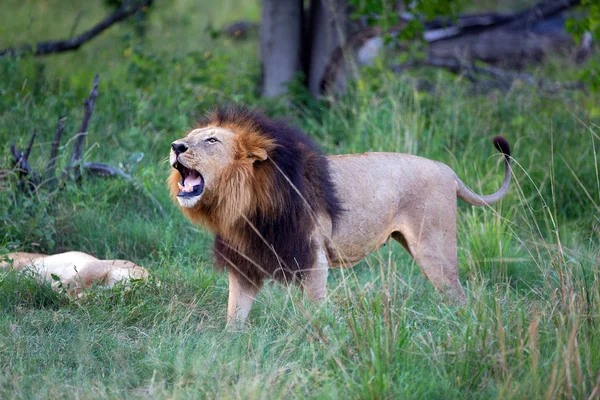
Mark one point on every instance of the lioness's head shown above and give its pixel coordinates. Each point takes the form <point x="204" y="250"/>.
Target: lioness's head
<point x="216" y="168"/>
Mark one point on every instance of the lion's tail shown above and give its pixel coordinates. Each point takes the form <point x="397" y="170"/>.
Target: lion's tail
<point x="473" y="198"/>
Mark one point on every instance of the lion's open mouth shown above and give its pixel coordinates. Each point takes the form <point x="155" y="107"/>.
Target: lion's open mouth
<point x="192" y="182"/>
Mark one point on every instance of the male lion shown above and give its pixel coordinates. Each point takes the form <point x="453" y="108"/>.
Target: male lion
<point x="282" y="210"/>
<point x="75" y="270"/>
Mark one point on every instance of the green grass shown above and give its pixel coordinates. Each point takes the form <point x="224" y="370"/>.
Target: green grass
<point x="529" y="263"/>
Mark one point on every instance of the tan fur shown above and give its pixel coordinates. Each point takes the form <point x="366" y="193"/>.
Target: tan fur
<point x="235" y="173"/>
<point x="230" y="174"/>
<point x="398" y="196"/>
<point x="410" y="199"/>
<point x="384" y="195"/>
<point x="76" y="270"/>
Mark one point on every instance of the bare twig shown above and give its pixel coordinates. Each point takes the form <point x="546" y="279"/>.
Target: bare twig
<point x="57" y="46"/>
<point x="100" y="169"/>
<point x="20" y="158"/>
<point x="54" y="153"/>
<point x="88" y="109"/>
<point x="21" y="162"/>
<point x="18" y="161"/>
<point x="29" y="146"/>
<point x="75" y="23"/>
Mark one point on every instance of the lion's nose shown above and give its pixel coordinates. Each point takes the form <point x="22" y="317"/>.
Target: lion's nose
<point x="179" y="148"/>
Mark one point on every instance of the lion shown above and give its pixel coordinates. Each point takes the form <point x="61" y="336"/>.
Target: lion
<point x="74" y="270"/>
<point x="282" y="210"/>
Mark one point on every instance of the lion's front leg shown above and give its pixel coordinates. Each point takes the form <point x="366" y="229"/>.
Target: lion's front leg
<point x="241" y="297"/>
<point x="315" y="282"/>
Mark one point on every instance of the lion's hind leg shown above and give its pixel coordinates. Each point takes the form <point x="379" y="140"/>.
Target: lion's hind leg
<point x="431" y="240"/>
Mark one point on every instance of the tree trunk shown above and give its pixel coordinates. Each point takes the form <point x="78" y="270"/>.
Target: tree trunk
<point x="328" y="28"/>
<point x="280" y="44"/>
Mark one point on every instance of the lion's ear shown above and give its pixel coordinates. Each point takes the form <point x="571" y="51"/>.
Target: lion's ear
<point x="258" y="155"/>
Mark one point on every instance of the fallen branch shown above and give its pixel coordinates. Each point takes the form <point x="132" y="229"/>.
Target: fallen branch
<point x="50" y="177"/>
<point x="21" y="163"/>
<point x="88" y="109"/>
<point x="500" y="78"/>
<point x="29" y="146"/>
<point x="57" y="46"/>
<point x="27" y="177"/>
<point x="505" y="38"/>
<point x="446" y="28"/>
<point x="100" y="169"/>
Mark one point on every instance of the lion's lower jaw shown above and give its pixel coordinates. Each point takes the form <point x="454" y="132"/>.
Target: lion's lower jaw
<point x="189" y="202"/>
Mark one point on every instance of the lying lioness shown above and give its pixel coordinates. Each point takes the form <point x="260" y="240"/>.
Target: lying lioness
<point x="74" y="270"/>
<point x="280" y="209"/>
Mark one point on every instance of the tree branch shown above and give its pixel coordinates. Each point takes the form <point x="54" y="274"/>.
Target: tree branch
<point x="54" y="153"/>
<point x="21" y="162"/>
<point x="57" y="46"/>
<point x="100" y="169"/>
<point x="88" y="109"/>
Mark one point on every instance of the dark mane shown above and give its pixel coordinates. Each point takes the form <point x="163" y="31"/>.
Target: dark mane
<point x="277" y="240"/>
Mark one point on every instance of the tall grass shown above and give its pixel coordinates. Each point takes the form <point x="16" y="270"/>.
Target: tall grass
<point x="529" y="263"/>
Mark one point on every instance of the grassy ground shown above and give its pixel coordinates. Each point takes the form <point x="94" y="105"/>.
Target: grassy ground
<point x="529" y="263"/>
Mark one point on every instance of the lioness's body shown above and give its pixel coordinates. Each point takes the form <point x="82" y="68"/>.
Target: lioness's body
<point x="282" y="210"/>
<point x="76" y="270"/>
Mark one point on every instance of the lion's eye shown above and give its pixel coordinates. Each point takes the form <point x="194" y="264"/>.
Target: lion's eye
<point x="212" y="140"/>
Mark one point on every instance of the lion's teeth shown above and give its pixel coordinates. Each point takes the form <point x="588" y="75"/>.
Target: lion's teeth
<point x="185" y="188"/>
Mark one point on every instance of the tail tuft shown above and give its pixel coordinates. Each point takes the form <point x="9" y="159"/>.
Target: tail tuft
<point x="475" y="199"/>
<point x="502" y="145"/>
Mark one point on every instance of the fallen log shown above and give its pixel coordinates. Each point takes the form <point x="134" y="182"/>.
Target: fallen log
<point x="446" y="28"/>
<point x="496" y="77"/>
<point x="501" y="47"/>
<point x="506" y="40"/>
